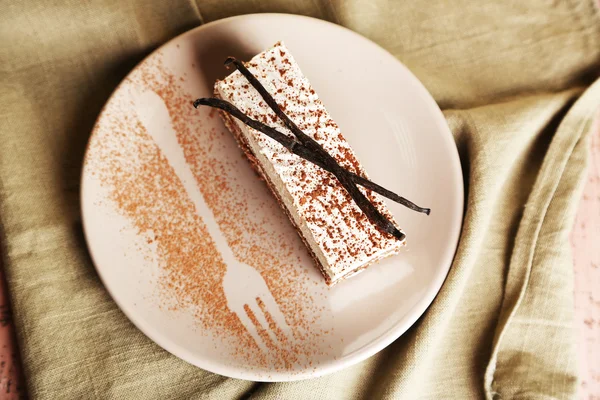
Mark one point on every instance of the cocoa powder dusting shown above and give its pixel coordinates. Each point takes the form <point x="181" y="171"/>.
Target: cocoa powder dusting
<point x="168" y="217"/>
<point x="147" y="191"/>
<point x="317" y="192"/>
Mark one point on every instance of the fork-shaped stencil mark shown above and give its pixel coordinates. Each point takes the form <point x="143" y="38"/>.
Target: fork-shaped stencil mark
<point x="245" y="289"/>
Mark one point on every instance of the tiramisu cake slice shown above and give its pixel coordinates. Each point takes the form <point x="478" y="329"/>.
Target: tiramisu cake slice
<point x="340" y="237"/>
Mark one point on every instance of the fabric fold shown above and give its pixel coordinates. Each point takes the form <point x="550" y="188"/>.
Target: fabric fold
<point x="536" y="307"/>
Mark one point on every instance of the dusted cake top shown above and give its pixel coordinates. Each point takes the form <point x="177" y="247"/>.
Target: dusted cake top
<point x="346" y="236"/>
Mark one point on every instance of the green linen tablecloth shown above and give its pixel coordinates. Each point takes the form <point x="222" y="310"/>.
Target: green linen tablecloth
<point x="515" y="79"/>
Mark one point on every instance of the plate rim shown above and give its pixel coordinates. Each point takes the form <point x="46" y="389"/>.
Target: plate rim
<point x="372" y="348"/>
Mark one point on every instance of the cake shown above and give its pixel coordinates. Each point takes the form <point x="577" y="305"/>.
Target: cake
<point x="341" y="239"/>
